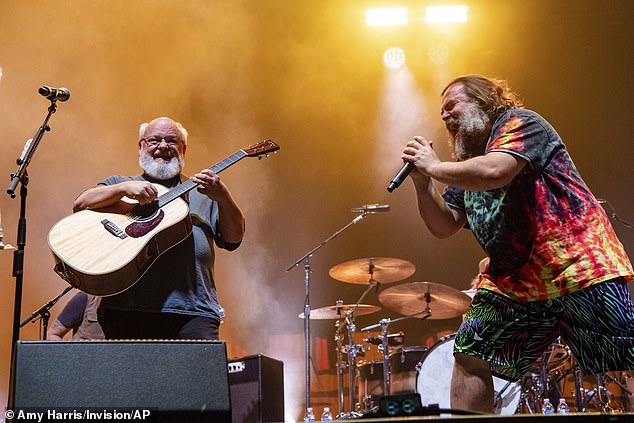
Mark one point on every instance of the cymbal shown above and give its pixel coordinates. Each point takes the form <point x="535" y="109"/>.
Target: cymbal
<point x="409" y="298"/>
<point x="337" y="311"/>
<point x="380" y="269"/>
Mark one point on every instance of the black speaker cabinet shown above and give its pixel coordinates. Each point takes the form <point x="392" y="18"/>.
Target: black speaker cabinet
<point x="175" y="380"/>
<point x="257" y="389"/>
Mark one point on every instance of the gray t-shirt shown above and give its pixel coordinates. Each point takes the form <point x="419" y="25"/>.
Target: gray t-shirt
<point x="181" y="280"/>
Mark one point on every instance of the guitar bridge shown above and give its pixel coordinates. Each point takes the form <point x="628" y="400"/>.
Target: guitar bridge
<point x="113" y="229"/>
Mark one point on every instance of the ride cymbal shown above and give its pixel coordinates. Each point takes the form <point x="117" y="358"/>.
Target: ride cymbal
<point x="408" y="299"/>
<point x="379" y="269"/>
<point x="338" y="311"/>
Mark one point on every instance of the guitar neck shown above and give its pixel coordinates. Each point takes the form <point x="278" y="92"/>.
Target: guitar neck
<point x="189" y="184"/>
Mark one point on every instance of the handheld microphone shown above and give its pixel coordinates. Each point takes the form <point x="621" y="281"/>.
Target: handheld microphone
<point x="371" y="208"/>
<point x="55" y="94"/>
<point x="400" y="176"/>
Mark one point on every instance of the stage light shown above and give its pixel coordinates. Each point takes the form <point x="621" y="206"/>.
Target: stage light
<point x="386" y="17"/>
<point x="446" y="14"/>
<point x="394" y="57"/>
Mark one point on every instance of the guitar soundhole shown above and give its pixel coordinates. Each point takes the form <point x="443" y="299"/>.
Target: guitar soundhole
<point x="144" y="212"/>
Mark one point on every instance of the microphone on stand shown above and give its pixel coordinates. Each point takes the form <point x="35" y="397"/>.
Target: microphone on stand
<point x="393" y="339"/>
<point x="55" y="94"/>
<point x="400" y="176"/>
<point x="371" y="208"/>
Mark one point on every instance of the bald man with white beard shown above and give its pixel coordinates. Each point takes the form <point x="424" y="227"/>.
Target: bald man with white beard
<point x="176" y="298"/>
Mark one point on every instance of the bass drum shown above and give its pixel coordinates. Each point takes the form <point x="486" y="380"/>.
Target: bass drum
<point x="433" y="381"/>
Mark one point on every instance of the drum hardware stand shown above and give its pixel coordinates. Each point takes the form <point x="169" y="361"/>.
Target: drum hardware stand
<point x="340" y="364"/>
<point x="44" y="314"/>
<point x="307" y="271"/>
<point x="384" y="324"/>
<point x="533" y="391"/>
<point x="625" y="392"/>
<point x="578" y="375"/>
<point x="353" y="349"/>
<point x="352" y="363"/>
<point x="583" y="396"/>
<point x="543" y="375"/>
<point x="601" y="393"/>
<point x="385" y="343"/>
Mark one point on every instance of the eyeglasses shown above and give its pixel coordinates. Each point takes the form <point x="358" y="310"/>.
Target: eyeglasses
<point x="153" y="142"/>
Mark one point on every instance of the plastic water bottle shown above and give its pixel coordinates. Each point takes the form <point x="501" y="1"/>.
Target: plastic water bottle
<point x="562" y="407"/>
<point x="547" y="407"/>
<point x="326" y="416"/>
<point x="309" y="417"/>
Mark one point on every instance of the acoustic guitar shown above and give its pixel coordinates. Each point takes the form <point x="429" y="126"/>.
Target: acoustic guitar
<point x="106" y="251"/>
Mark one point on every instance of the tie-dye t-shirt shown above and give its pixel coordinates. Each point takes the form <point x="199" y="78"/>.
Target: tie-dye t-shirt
<point x="545" y="232"/>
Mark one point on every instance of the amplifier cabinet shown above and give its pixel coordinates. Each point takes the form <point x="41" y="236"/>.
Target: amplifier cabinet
<point x="257" y="389"/>
<point x="170" y="378"/>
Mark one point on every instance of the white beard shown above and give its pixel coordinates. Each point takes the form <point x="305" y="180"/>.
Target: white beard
<point x="469" y="141"/>
<point x="160" y="168"/>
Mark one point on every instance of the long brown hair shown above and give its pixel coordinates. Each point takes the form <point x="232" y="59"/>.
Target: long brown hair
<point x="493" y="95"/>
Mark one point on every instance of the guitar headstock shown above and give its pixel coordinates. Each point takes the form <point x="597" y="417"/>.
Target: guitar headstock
<point x="262" y="148"/>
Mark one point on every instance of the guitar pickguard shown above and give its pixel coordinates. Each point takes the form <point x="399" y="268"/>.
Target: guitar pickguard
<point x="143" y="227"/>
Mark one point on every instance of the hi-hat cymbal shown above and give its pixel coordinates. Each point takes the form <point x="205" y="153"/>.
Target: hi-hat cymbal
<point x="338" y="311"/>
<point x="379" y="269"/>
<point x="409" y="298"/>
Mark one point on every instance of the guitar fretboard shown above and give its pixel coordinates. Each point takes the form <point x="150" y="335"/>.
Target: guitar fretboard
<point x="189" y="184"/>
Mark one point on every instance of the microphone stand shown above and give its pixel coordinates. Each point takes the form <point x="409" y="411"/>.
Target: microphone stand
<point x="43" y="312"/>
<point x="21" y="177"/>
<point x="307" y="271"/>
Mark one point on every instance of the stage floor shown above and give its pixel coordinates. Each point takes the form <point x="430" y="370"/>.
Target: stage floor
<point x="517" y="418"/>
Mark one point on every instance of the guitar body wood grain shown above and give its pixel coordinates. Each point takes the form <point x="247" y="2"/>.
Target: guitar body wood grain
<point x="98" y="262"/>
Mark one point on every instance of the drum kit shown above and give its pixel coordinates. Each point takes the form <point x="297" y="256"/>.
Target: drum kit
<point x="398" y="369"/>
<point x="427" y="371"/>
